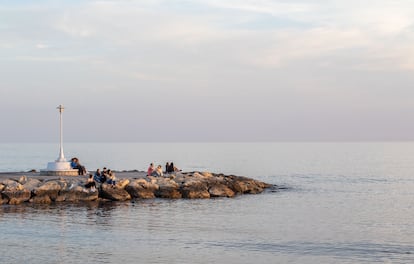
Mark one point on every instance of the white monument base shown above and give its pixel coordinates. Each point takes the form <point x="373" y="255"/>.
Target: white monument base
<point x="59" y="168"/>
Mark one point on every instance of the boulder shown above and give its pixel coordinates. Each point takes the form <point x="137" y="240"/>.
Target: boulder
<point x="113" y="193"/>
<point x="17" y="197"/>
<point x="220" y="190"/>
<point x="245" y="185"/>
<point x="195" y="189"/>
<point x="142" y="189"/>
<point x="207" y="174"/>
<point x="31" y="184"/>
<point x="14" y="193"/>
<point x="121" y="184"/>
<point x="77" y="194"/>
<point x="48" y="191"/>
<point x="198" y="175"/>
<point x="22" y="179"/>
<point x="3" y="200"/>
<point x="168" y="189"/>
<point x="41" y="199"/>
<point x="11" y="184"/>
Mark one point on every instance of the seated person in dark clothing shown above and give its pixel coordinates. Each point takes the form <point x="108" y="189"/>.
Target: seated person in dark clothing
<point x="104" y="175"/>
<point x="74" y="163"/>
<point x="97" y="176"/>
<point x="90" y="184"/>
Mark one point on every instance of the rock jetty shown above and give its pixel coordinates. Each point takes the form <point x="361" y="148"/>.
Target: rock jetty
<point x="190" y="185"/>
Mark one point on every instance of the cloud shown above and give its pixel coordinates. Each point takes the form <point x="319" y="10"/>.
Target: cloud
<point x="331" y="27"/>
<point x="48" y="58"/>
<point x="274" y="8"/>
<point x="42" y="46"/>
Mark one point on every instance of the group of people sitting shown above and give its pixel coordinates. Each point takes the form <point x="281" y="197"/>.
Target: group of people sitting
<point x="158" y="172"/>
<point x="106" y="176"/>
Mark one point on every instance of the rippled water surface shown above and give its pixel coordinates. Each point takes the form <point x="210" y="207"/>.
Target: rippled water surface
<point x="338" y="203"/>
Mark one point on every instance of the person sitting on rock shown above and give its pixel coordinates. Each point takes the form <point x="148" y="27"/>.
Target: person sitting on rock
<point x="150" y="169"/>
<point x="173" y="168"/>
<point x="90" y="184"/>
<point x="98" y="176"/>
<point x="104" y="175"/>
<point x="111" y="178"/>
<point x="158" y="172"/>
<point x="167" y="167"/>
<point x="74" y="163"/>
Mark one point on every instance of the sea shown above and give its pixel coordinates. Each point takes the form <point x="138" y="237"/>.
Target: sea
<point x="345" y="202"/>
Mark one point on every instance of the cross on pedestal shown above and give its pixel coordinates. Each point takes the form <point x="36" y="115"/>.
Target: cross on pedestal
<point x="61" y="157"/>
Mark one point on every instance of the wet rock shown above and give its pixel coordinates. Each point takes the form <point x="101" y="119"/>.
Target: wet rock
<point x="14" y="193"/>
<point x="17" y="197"/>
<point x="41" y="200"/>
<point x="113" y="193"/>
<point x="3" y="200"/>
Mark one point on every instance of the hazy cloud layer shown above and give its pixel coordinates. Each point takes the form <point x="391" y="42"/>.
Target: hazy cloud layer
<point x="207" y="70"/>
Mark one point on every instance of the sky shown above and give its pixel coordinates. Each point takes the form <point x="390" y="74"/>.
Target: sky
<point x="207" y="70"/>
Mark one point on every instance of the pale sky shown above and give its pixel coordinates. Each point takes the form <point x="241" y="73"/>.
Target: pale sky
<point x="207" y="70"/>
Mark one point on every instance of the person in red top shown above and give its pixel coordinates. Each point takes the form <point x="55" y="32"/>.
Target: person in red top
<point x="150" y="169"/>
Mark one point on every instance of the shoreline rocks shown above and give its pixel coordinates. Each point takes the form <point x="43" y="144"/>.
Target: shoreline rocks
<point x="189" y="185"/>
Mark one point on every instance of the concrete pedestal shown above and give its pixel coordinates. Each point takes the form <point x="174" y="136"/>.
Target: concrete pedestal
<point x="59" y="168"/>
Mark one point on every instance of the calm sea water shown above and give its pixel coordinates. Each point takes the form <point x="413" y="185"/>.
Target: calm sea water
<point x="341" y="203"/>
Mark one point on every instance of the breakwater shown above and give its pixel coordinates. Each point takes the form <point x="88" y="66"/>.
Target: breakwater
<point x="189" y="185"/>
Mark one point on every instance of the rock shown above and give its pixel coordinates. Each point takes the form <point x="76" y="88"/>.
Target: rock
<point x="207" y="174"/>
<point x="47" y="190"/>
<point x="77" y="194"/>
<point x="31" y="184"/>
<point x="168" y="189"/>
<point x="11" y="184"/>
<point x="121" y="184"/>
<point x="244" y="185"/>
<point x="195" y="189"/>
<point x="17" y="197"/>
<point x="3" y="200"/>
<point x="142" y="189"/>
<point x="23" y="179"/>
<point x="198" y="175"/>
<point x="221" y="190"/>
<point x="113" y="193"/>
<point x="14" y="193"/>
<point x="41" y="200"/>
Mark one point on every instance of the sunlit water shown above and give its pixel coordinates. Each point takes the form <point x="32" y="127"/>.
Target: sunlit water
<point x="340" y="203"/>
